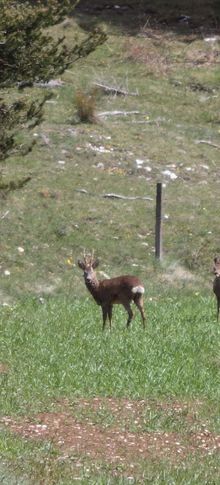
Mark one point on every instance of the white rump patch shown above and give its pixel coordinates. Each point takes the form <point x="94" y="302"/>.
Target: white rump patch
<point x="138" y="289"/>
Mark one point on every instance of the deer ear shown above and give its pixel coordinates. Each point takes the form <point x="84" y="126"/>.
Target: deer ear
<point x="81" y="264"/>
<point x="95" y="263"/>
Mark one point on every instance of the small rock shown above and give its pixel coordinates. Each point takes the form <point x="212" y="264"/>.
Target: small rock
<point x="169" y="174"/>
<point x="100" y="165"/>
<point x="139" y="162"/>
<point x="212" y="39"/>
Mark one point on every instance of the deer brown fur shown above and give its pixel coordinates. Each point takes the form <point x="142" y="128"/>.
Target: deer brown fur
<point x="122" y="290"/>
<point x="216" y="282"/>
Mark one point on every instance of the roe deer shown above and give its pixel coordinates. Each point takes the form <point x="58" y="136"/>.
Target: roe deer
<point x="216" y="282"/>
<point x="122" y="290"/>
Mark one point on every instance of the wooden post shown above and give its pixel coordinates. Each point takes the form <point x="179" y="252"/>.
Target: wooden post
<point x="158" y="223"/>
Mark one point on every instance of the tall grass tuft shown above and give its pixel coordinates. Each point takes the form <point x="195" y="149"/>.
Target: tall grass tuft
<point x="86" y="106"/>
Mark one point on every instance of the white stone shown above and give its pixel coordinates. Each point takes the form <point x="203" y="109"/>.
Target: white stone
<point x="169" y="174"/>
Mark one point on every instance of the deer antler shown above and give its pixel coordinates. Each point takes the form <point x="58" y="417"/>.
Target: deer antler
<point x="88" y="257"/>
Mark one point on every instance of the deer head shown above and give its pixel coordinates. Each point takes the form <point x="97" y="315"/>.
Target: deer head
<point x="88" y="265"/>
<point x="216" y="267"/>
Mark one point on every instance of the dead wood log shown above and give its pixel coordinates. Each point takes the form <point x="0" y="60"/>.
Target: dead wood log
<point x="113" y="196"/>
<point x="118" y="113"/>
<point x="114" y="90"/>
<point x="207" y="142"/>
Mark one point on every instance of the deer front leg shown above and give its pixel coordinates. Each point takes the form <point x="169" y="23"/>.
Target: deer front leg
<point x="104" y="315"/>
<point x="110" y="316"/>
<point x="218" y="307"/>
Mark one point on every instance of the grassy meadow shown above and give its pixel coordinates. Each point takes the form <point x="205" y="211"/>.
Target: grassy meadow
<point x="133" y="406"/>
<point x="56" y="356"/>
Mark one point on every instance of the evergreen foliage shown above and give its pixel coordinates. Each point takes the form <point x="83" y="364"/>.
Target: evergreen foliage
<point x="28" y="55"/>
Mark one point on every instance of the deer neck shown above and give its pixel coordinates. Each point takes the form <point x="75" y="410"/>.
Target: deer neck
<point x="92" y="284"/>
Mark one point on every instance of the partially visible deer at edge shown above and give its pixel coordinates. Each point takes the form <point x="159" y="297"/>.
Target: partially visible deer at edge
<point x="122" y="290"/>
<point x="216" y="282"/>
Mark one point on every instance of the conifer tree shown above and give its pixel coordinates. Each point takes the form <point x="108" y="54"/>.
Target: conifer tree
<point x="29" y="55"/>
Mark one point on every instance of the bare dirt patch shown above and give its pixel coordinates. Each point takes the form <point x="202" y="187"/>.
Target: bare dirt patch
<point x="176" y="273"/>
<point x="157" y="62"/>
<point x="73" y="429"/>
<point x="4" y="369"/>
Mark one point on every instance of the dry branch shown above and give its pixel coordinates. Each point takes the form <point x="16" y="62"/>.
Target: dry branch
<point x="116" y="113"/>
<point x="113" y="90"/>
<point x="4" y="215"/>
<point x="207" y="142"/>
<point x="113" y="196"/>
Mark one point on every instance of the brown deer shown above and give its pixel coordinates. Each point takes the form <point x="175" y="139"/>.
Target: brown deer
<point x="216" y="282"/>
<point x="106" y="293"/>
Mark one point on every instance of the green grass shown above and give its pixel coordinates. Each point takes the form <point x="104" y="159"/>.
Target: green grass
<point x="52" y="221"/>
<point x="56" y="350"/>
<point x="89" y="473"/>
<point x="35" y="463"/>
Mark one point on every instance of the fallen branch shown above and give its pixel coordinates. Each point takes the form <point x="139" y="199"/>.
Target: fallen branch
<point x="116" y="91"/>
<point x="142" y="122"/>
<point x="113" y="196"/>
<point x="53" y="83"/>
<point x="116" y="113"/>
<point x="207" y="142"/>
<point x="125" y="197"/>
<point x="4" y="215"/>
<point x="46" y="139"/>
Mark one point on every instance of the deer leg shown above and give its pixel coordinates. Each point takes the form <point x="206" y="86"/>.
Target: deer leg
<point x="128" y="309"/>
<point x="110" y="316"/>
<point x="104" y="316"/>
<point x="140" y="305"/>
<point x="218" y="307"/>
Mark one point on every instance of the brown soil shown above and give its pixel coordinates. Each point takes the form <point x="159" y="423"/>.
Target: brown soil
<point x="73" y="429"/>
<point x="3" y="368"/>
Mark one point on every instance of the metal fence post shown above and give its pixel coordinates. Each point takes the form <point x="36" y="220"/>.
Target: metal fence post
<point x="158" y="223"/>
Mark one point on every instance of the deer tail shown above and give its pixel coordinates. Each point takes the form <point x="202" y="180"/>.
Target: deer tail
<point x="138" y="290"/>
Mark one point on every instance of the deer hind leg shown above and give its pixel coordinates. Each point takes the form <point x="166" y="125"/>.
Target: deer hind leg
<point x="139" y="302"/>
<point x="128" y="309"/>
